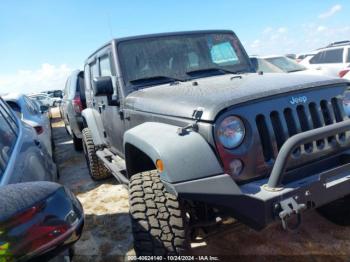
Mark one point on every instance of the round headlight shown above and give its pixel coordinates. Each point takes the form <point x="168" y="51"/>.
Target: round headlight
<point x="346" y="103"/>
<point x="231" y="132"/>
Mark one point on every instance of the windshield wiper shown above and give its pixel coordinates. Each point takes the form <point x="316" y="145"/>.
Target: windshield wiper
<point x="155" y="78"/>
<point x="211" y="69"/>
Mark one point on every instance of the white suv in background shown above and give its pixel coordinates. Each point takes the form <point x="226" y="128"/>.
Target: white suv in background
<point x="330" y="60"/>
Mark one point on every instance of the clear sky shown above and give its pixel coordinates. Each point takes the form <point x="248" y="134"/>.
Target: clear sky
<point x="41" y="41"/>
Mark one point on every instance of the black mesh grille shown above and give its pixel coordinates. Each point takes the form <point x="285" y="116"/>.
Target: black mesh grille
<point x="277" y="126"/>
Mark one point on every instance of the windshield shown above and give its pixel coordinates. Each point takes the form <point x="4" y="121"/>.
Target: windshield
<point x="286" y="64"/>
<point x="150" y="61"/>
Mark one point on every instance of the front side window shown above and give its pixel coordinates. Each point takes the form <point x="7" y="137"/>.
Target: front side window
<point x="348" y="57"/>
<point x="7" y="141"/>
<point x="149" y="61"/>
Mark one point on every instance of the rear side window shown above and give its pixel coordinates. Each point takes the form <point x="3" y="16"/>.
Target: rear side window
<point x="105" y="66"/>
<point x="348" y="57"/>
<point x="94" y="71"/>
<point x="328" y="57"/>
<point x="8" y="139"/>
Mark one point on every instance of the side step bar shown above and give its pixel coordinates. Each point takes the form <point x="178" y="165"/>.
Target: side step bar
<point x="114" y="164"/>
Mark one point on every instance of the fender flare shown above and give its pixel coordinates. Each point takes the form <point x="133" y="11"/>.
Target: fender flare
<point x="92" y="120"/>
<point x="185" y="157"/>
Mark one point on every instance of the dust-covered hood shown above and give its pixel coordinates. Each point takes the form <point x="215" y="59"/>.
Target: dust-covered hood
<point x="216" y="93"/>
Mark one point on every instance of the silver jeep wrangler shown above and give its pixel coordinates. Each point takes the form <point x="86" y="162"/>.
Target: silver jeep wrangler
<point x="199" y="137"/>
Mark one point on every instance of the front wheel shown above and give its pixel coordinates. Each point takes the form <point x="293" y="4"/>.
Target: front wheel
<point x="159" y="223"/>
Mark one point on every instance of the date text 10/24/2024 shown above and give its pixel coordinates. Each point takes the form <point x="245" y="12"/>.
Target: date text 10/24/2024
<point x="173" y="258"/>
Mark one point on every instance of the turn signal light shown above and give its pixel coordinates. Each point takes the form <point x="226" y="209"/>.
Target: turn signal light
<point x="160" y="165"/>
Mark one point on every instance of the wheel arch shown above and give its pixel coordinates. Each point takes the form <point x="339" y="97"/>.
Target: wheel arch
<point x="136" y="160"/>
<point x="185" y="157"/>
<point x="92" y="120"/>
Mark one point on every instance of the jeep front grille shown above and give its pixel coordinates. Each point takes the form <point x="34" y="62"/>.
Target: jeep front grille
<point x="276" y="127"/>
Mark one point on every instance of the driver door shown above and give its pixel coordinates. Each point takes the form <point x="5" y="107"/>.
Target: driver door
<point x="111" y="115"/>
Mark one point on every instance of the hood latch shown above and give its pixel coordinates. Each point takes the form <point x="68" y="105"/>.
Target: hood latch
<point x="196" y="115"/>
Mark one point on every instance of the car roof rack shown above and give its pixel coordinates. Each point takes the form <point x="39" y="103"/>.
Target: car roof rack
<point x="339" y="43"/>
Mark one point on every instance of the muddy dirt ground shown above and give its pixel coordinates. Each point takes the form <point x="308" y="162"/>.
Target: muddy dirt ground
<point x="107" y="233"/>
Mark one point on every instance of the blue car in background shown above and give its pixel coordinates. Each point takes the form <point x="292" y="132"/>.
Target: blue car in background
<point x="23" y="158"/>
<point x="31" y="113"/>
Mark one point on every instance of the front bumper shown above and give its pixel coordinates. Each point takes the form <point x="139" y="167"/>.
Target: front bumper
<point x="262" y="202"/>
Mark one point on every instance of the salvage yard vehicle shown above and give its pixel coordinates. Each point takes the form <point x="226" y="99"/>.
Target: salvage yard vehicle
<point x="22" y="156"/>
<point x="72" y="104"/>
<point x="34" y="115"/>
<point x="261" y="65"/>
<point x="38" y="221"/>
<point x="330" y="60"/>
<point x="44" y="98"/>
<point x="200" y="137"/>
<point x="287" y="65"/>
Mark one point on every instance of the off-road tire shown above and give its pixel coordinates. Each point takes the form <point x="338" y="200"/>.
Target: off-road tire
<point x="159" y="223"/>
<point x="96" y="168"/>
<point x="78" y="143"/>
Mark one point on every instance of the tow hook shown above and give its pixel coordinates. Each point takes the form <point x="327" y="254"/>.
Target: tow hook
<point x="289" y="207"/>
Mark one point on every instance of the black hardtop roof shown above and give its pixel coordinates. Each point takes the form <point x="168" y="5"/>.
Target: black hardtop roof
<point x="121" y="39"/>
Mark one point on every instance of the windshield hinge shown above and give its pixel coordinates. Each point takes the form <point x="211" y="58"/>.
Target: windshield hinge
<point x="196" y="115"/>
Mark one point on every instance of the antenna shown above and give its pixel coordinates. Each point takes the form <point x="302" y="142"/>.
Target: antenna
<point x="109" y="24"/>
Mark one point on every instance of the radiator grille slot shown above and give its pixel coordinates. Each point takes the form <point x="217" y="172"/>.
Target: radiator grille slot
<point x="276" y="127"/>
<point x="264" y="137"/>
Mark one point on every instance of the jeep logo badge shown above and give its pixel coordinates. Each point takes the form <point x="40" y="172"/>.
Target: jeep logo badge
<point x="298" y="100"/>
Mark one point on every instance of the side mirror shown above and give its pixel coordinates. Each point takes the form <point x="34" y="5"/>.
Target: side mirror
<point x="38" y="220"/>
<point x="103" y="86"/>
<point x="44" y="109"/>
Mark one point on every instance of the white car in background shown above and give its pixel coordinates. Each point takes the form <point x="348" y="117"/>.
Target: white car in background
<point x="34" y="115"/>
<point x="43" y="98"/>
<point x="345" y="73"/>
<point x="330" y="60"/>
<point x="281" y="64"/>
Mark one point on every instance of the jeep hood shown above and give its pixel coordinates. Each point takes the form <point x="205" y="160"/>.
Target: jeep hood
<point x="216" y="93"/>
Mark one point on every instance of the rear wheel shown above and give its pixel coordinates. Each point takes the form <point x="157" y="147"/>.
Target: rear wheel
<point x="96" y="168"/>
<point x="159" y="223"/>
